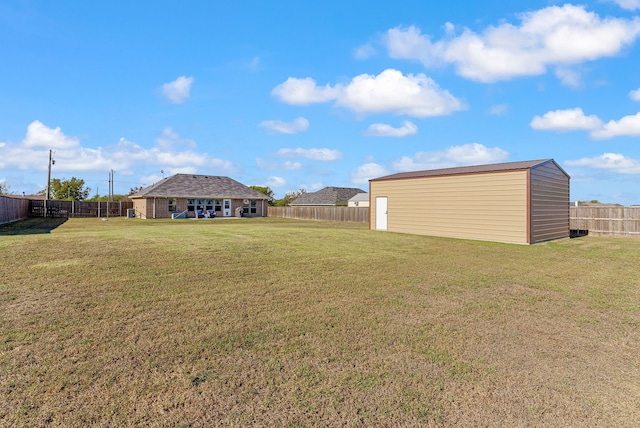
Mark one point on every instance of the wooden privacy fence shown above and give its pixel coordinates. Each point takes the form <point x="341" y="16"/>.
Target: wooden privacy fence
<point x="352" y="214"/>
<point x="598" y="220"/>
<point x="12" y="209"/>
<point x="78" y="209"/>
<point x="606" y="220"/>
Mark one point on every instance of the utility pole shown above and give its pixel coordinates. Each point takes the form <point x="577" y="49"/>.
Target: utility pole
<point x="109" y="194"/>
<point x="46" y="196"/>
<point x="110" y="197"/>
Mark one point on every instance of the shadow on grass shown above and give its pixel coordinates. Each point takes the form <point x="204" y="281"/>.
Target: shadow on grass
<point x="31" y="226"/>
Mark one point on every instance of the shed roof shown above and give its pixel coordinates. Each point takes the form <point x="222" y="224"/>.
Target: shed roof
<point x="473" y="169"/>
<point x="360" y="197"/>
<point x="199" y="186"/>
<point x="328" y="196"/>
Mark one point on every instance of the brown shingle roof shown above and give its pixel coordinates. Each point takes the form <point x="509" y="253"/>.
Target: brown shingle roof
<point x="327" y="196"/>
<point x="199" y="186"/>
<point x="474" y="169"/>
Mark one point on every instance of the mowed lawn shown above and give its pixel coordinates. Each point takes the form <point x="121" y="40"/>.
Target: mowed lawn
<point x="273" y="322"/>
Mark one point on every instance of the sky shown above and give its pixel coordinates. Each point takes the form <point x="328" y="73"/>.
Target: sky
<point x="302" y="95"/>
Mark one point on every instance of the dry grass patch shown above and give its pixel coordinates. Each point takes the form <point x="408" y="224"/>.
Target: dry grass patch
<point x="286" y="323"/>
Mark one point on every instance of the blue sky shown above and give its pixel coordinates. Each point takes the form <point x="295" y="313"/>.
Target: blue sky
<point x="293" y="94"/>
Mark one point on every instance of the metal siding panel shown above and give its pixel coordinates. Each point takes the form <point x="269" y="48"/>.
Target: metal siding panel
<point x="549" y="203"/>
<point x="480" y="206"/>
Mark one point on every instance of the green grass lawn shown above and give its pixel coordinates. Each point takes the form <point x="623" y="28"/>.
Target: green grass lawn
<point x="277" y="322"/>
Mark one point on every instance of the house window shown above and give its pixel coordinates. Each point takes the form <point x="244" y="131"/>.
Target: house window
<point x="209" y="204"/>
<point x="254" y="204"/>
<point x="191" y="205"/>
<point x="172" y="205"/>
<point x="218" y="205"/>
<point x="245" y="206"/>
<point x="200" y="204"/>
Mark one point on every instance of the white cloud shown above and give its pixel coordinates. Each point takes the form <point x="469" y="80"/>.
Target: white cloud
<point x="499" y="109"/>
<point x="179" y="90"/>
<point x="388" y="92"/>
<point x="154" y="178"/>
<point x="449" y="28"/>
<point x="555" y="36"/>
<point x="364" y="52"/>
<point x="268" y="164"/>
<point x="254" y="64"/>
<point x="575" y="120"/>
<point x="410" y="43"/>
<point x="626" y="126"/>
<point x="304" y="91"/>
<point x="475" y="153"/>
<point x="635" y="95"/>
<point x="315" y="154"/>
<point x="566" y="120"/>
<point x="123" y="156"/>
<point x="568" y="77"/>
<point x="298" y="125"/>
<point x="615" y="162"/>
<point x="384" y="130"/>
<point x="40" y="135"/>
<point x="391" y="91"/>
<point x="169" y="139"/>
<point x="420" y="161"/>
<point x="310" y="187"/>
<point x="366" y="172"/>
<point x="182" y="170"/>
<point x="466" y="154"/>
<point x="274" y="181"/>
<point x="628" y="4"/>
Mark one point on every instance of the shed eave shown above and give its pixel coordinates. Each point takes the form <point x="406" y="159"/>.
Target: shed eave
<point x="466" y="170"/>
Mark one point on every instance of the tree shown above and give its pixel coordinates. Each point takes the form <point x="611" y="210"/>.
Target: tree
<point x="69" y="190"/>
<point x="592" y="201"/>
<point x="289" y="197"/>
<point x="266" y="190"/>
<point x="105" y="198"/>
<point x="135" y="190"/>
<point x="4" y="188"/>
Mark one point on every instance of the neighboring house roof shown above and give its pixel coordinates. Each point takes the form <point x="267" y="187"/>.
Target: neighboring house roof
<point x="496" y="167"/>
<point x="360" y="197"/>
<point x="328" y="196"/>
<point x="30" y="197"/>
<point x="199" y="186"/>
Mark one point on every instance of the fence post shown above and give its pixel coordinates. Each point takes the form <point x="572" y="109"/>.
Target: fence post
<point x="626" y="222"/>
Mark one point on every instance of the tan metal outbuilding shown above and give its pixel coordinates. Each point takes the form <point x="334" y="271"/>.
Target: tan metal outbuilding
<point x="517" y="202"/>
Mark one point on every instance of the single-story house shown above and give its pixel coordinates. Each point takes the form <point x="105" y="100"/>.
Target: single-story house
<point x="184" y="195"/>
<point x="516" y="202"/>
<point x="329" y="196"/>
<point x="360" y="200"/>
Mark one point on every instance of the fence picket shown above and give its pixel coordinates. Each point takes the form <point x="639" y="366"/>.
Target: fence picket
<point x="346" y="214"/>
<point x="606" y="220"/>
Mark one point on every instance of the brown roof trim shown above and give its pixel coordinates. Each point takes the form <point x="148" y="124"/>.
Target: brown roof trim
<point x="474" y="169"/>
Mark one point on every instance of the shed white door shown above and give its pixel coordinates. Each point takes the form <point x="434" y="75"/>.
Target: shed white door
<point x="381" y="213"/>
<point x="226" y="208"/>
